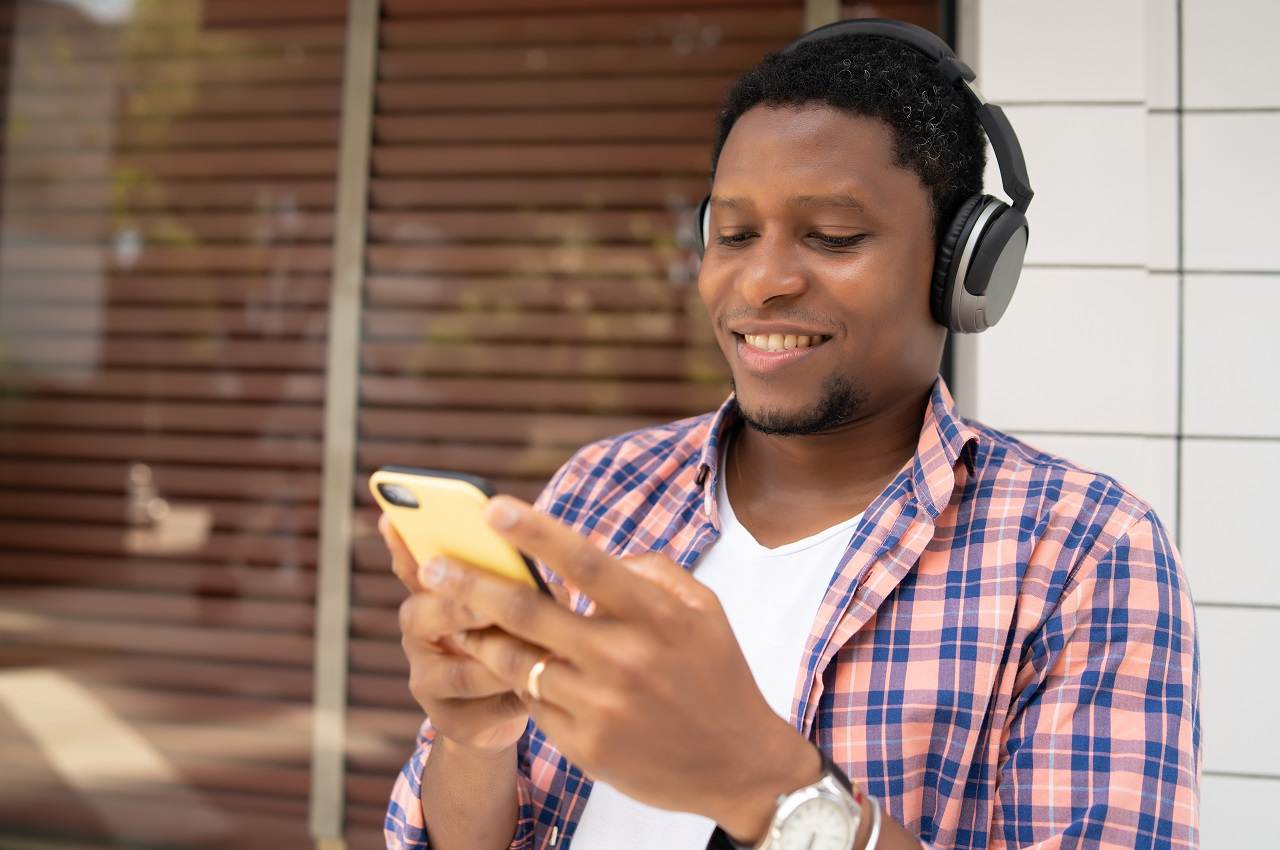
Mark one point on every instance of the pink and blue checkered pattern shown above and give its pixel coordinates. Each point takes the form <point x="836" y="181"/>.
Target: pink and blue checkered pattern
<point x="1005" y="657"/>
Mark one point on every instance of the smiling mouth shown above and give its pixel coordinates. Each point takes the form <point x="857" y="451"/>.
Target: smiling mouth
<point x="781" y="342"/>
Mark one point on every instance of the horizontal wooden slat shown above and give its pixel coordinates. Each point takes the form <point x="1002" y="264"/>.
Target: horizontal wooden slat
<point x="247" y="161"/>
<point x="398" y="8"/>
<point x="523" y="226"/>
<point x="152" y="194"/>
<point x="51" y="810"/>
<point x="654" y="294"/>
<point x="538" y="429"/>
<point x="215" y="450"/>
<point x="538" y="159"/>
<point x="597" y="27"/>
<point x="152" y="320"/>
<point x="239" y="580"/>
<point x="53" y="77"/>
<point x="161" y="415"/>
<point x="177" y="134"/>
<point x="274" y="99"/>
<point x="170" y="481"/>
<point x="121" y="540"/>
<point x="247" y="12"/>
<point x="181" y="641"/>
<point x="183" y="675"/>
<point x="249" y="517"/>
<point x="213" y="351"/>
<point x="114" y="606"/>
<point x="570" y="60"/>
<point x="549" y="192"/>
<point x="528" y="461"/>
<point x="547" y="359"/>
<point x="658" y="125"/>
<point x="168" y="258"/>
<point x="552" y="327"/>
<point x="269" y="226"/>
<point x="159" y="41"/>
<point x="168" y="383"/>
<point x="529" y="95"/>
<point x="642" y="397"/>
<point x="527" y="260"/>
<point x="123" y="287"/>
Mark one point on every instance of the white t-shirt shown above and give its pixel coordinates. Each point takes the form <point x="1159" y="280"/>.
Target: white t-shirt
<point x="771" y="597"/>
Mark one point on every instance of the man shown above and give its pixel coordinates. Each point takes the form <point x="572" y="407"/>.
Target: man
<point x="832" y="614"/>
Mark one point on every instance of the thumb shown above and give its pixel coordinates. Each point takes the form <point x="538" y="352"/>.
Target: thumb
<point x="668" y="575"/>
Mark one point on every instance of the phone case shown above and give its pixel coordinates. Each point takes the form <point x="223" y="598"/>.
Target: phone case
<point x="449" y="520"/>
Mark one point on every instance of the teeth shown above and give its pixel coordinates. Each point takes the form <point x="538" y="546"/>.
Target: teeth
<point x="781" y="342"/>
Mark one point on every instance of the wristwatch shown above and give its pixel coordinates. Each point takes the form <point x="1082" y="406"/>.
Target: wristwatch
<point x="822" y="816"/>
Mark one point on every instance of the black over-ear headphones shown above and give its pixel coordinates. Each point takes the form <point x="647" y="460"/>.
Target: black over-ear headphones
<point x="980" y="251"/>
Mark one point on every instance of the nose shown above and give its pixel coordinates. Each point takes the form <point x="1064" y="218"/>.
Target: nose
<point x="774" y="272"/>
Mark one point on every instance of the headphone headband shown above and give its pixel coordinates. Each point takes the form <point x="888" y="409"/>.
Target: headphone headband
<point x="1004" y="142"/>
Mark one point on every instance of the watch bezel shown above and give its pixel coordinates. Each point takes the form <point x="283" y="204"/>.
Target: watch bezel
<point x="826" y="788"/>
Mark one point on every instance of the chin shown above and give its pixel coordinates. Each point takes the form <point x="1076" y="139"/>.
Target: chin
<point x="838" y="404"/>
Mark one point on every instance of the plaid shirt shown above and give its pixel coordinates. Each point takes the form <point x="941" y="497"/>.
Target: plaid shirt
<point x="1005" y="656"/>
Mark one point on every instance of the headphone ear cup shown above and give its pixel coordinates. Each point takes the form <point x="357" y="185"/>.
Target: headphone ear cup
<point x="948" y="254"/>
<point x="703" y="224"/>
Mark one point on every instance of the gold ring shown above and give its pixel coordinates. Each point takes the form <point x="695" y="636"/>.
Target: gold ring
<point x="535" y="673"/>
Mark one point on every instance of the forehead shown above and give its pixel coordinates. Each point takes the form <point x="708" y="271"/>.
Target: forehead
<point x="812" y="148"/>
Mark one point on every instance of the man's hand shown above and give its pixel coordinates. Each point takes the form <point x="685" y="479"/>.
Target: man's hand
<point x="465" y="701"/>
<point x="651" y="694"/>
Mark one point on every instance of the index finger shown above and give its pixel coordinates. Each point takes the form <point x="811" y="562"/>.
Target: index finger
<point x="401" y="559"/>
<point x="586" y="566"/>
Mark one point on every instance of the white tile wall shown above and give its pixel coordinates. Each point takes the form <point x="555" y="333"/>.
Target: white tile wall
<point x="1232" y="182"/>
<point x="1087" y="166"/>
<point x="1240" y="698"/>
<point x="1226" y="486"/>
<point x="1161" y="221"/>
<point x="1057" y="52"/>
<point x="1162" y="53"/>
<point x="1095" y="351"/>
<point x="1230" y="813"/>
<point x="1229" y="55"/>
<point x="1147" y="466"/>
<point x="1083" y="350"/>
<point x="1231" y="355"/>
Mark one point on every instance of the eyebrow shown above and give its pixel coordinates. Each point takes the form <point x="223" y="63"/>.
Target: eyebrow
<point x="837" y="200"/>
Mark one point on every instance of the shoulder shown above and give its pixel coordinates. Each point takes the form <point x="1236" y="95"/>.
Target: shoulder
<point x="651" y="457"/>
<point x="1068" y="504"/>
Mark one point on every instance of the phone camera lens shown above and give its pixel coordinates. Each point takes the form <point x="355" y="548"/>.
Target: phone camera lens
<point x="397" y="495"/>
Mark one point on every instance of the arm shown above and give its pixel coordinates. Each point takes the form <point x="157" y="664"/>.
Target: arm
<point x="481" y="789"/>
<point x="1103" y="746"/>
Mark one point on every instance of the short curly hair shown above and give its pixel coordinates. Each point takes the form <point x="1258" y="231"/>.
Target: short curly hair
<point x="935" y="126"/>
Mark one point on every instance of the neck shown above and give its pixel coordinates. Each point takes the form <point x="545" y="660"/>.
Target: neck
<point x="842" y="470"/>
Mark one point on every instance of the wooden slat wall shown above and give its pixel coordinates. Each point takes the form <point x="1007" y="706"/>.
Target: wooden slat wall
<point x="534" y="168"/>
<point x="164" y="271"/>
<point x="527" y="288"/>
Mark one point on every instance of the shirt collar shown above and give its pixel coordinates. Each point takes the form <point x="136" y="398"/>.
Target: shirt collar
<point x="945" y="438"/>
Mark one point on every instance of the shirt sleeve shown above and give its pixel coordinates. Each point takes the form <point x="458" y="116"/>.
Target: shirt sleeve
<point x="405" y="827"/>
<point x="1103" y="746"/>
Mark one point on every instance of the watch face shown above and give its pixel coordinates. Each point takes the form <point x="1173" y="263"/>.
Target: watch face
<point x="818" y="824"/>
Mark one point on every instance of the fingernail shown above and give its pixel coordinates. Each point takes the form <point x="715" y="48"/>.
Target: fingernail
<point x="502" y="515"/>
<point x="434" y="571"/>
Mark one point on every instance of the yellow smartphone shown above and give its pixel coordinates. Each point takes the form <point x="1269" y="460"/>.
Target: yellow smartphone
<point x="437" y="512"/>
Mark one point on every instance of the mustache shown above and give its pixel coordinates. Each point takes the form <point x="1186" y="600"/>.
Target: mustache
<point x="797" y="315"/>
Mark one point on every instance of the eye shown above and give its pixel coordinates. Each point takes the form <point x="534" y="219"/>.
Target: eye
<point x="734" y="240"/>
<point x="837" y="242"/>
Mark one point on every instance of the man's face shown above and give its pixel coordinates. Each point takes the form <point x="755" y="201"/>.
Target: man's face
<point x="816" y="233"/>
